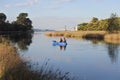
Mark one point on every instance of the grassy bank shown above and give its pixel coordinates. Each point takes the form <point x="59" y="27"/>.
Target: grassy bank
<point x="98" y="35"/>
<point x="73" y="34"/>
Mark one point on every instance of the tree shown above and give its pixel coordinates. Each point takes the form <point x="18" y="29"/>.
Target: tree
<point x="94" y="19"/>
<point x="113" y="23"/>
<point x="2" y="18"/>
<point x="21" y="18"/>
<point x="82" y="26"/>
<point x="23" y="21"/>
<point x="28" y="23"/>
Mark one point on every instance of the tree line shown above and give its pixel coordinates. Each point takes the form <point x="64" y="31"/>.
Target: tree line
<point x="111" y="24"/>
<point x="22" y="23"/>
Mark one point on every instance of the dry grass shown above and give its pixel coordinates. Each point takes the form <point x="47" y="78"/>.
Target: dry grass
<point x="8" y="57"/>
<point x="112" y="38"/>
<point x="103" y="35"/>
<point x="79" y="34"/>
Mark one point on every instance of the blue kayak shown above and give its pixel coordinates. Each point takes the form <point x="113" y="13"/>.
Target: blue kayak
<point x="55" y="43"/>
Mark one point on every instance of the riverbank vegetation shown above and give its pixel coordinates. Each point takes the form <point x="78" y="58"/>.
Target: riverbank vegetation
<point x="22" y="23"/>
<point x="89" y="35"/>
<point x="111" y="24"/>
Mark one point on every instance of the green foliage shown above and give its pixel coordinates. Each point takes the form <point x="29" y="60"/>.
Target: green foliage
<point x="82" y="26"/>
<point x="21" y="18"/>
<point x="111" y="24"/>
<point x="23" y="23"/>
<point x="94" y="19"/>
<point x="2" y="18"/>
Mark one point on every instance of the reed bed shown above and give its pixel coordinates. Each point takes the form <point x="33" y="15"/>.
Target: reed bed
<point x="89" y="35"/>
<point x="73" y="33"/>
<point x="112" y="38"/>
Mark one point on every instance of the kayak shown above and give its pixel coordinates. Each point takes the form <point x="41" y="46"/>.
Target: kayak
<point x="55" y="43"/>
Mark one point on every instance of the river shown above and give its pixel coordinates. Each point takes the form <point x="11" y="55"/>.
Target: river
<point x="82" y="58"/>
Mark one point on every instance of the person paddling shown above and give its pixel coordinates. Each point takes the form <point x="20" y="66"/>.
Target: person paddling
<point x="64" y="40"/>
<point x="61" y="40"/>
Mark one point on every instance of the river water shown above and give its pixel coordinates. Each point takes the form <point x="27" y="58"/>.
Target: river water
<point x="82" y="58"/>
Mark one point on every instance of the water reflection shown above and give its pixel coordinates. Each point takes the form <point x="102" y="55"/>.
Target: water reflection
<point x="94" y="41"/>
<point x="112" y="48"/>
<point x="113" y="51"/>
<point x="21" y="39"/>
<point x="62" y="47"/>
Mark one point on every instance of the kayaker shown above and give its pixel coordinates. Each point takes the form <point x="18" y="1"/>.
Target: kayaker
<point x="64" y="40"/>
<point x="61" y="40"/>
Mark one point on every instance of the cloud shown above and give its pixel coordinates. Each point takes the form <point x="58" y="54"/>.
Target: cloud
<point x="22" y="4"/>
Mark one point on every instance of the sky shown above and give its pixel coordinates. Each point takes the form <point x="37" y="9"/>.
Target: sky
<point x="56" y="14"/>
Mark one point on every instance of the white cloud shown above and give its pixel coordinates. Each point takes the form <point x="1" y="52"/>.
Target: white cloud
<point x="22" y="4"/>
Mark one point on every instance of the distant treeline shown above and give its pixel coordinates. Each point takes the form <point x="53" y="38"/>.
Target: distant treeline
<point x="22" y="23"/>
<point x="111" y="24"/>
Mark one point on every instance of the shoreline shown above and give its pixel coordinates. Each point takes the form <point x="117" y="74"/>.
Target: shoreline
<point x="88" y="35"/>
